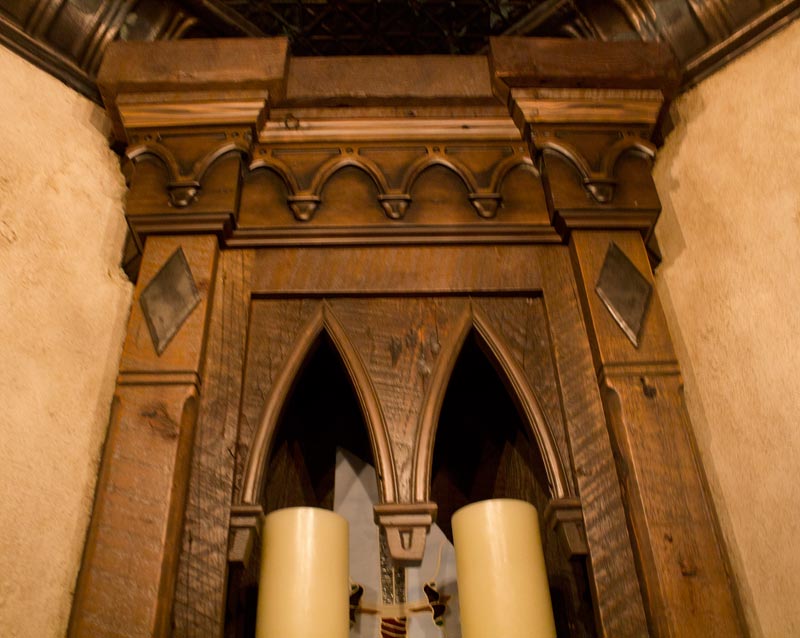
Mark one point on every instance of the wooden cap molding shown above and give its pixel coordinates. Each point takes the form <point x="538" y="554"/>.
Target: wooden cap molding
<point x="192" y="82"/>
<point x="588" y="108"/>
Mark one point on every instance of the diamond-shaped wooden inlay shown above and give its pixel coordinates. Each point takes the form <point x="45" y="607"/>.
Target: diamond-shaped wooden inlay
<point x="169" y="299"/>
<point x="624" y="291"/>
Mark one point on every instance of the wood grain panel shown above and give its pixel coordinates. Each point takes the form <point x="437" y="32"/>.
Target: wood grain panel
<point x="609" y="342"/>
<point x="274" y="329"/>
<point x="531" y="62"/>
<point x="199" y="610"/>
<point x="679" y="552"/>
<point x="615" y="585"/>
<point x="399" y="340"/>
<point x="126" y="585"/>
<point x="687" y="581"/>
<point x="185" y="351"/>
<point x="521" y="323"/>
<point x="396" y="269"/>
<point x="127" y="580"/>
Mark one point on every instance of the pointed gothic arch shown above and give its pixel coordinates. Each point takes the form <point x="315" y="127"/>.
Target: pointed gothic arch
<point x="474" y="322"/>
<point x="323" y="320"/>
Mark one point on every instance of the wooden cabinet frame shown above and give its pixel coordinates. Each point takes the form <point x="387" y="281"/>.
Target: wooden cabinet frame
<point x="334" y="185"/>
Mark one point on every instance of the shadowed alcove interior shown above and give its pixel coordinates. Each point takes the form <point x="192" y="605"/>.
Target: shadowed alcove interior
<point x="484" y="450"/>
<point x="320" y="414"/>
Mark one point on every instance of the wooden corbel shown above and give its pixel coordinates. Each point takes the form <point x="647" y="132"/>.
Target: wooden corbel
<point x="246" y="522"/>
<point x="588" y="114"/>
<point x="188" y="113"/>
<point x="406" y="526"/>
<point x="565" y="517"/>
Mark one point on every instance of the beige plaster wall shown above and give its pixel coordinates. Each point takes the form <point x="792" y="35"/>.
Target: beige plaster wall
<point x="63" y="308"/>
<point x="729" y="179"/>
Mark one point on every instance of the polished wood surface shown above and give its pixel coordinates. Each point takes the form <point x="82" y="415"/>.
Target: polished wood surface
<point x="400" y="250"/>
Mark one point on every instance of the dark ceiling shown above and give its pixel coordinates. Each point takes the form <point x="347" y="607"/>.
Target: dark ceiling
<point x="68" y="38"/>
<point x="396" y="27"/>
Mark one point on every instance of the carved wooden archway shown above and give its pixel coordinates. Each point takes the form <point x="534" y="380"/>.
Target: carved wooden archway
<point x="508" y="195"/>
<point x="322" y="320"/>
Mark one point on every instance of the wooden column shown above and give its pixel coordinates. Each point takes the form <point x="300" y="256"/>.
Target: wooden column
<point x="588" y="114"/>
<point x="127" y="580"/>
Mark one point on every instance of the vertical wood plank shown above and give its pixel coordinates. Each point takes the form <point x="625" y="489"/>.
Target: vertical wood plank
<point x="202" y="575"/>
<point x="617" y="596"/>
<point x="399" y="341"/>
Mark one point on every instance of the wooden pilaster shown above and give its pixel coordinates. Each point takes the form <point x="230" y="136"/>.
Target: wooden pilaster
<point x="127" y="580"/>
<point x="188" y="116"/>
<point x="683" y="568"/>
<point x="589" y="117"/>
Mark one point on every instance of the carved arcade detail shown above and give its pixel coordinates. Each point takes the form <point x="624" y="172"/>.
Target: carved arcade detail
<point x="394" y="170"/>
<point x="185" y="167"/>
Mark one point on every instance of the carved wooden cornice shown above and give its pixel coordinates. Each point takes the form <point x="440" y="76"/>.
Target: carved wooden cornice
<point x="208" y="136"/>
<point x="191" y="83"/>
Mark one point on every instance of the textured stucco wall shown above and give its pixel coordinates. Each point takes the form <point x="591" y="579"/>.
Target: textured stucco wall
<point x="729" y="179"/>
<point x="63" y="307"/>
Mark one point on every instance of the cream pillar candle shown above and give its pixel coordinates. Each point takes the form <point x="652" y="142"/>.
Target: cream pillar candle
<point x="502" y="580"/>
<point x="304" y="591"/>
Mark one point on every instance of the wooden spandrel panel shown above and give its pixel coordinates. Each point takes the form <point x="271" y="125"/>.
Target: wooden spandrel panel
<point x="407" y="347"/>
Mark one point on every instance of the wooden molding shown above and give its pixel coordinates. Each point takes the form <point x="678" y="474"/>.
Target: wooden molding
<point x="590" y="106"/>
<point x="393" y="174"/>
<point x="592" y="130"/>
<point x="292" y="126"/>
<point x="256" y="465"/>
<point x="200" y="163"/>
<point x="171" y="109"/>
<point x="565" y="516"/>
<point x="598" y="176"/>
<point x="201" y="189"/>
<point x="541" y="430"/>
<point x="245" y="526"/>
<point x="153" y="378"/>
<point x="586" y="106"/>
